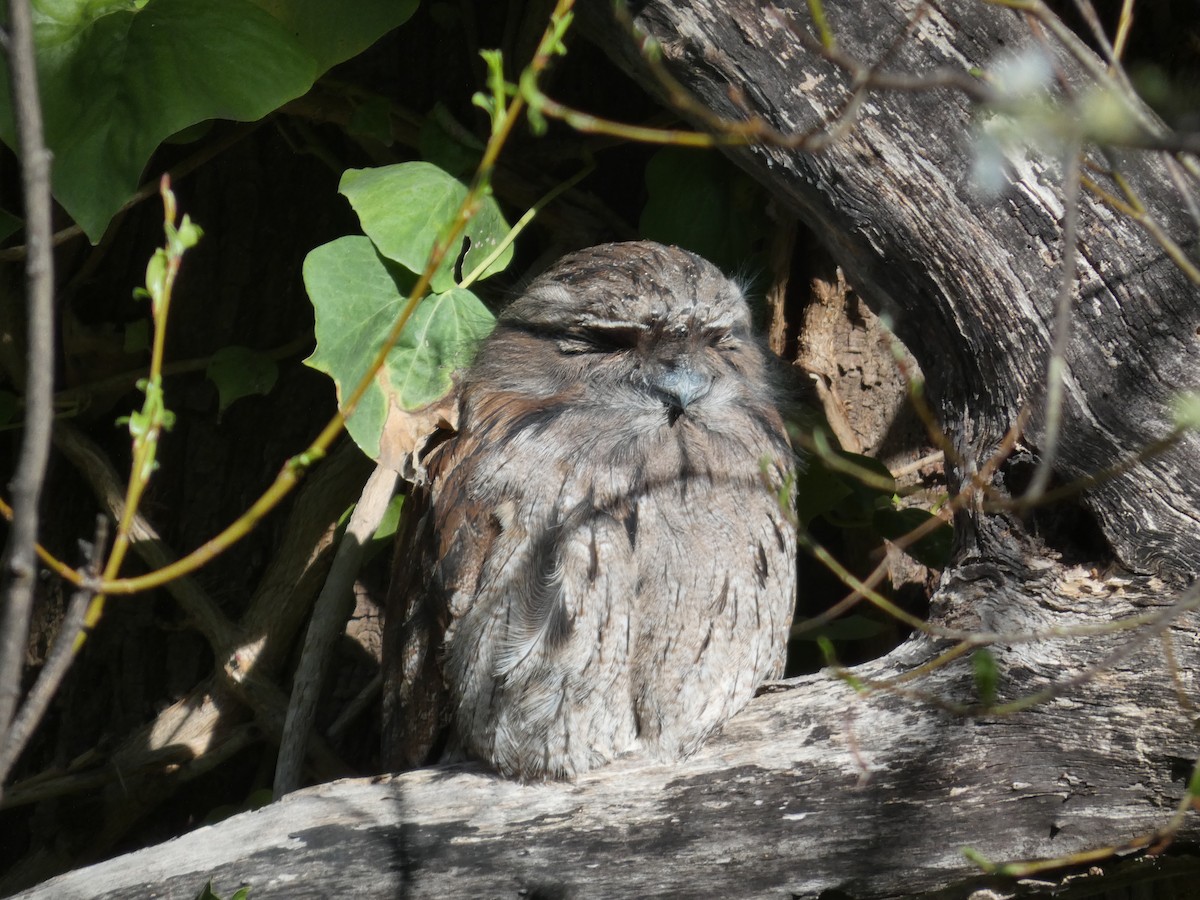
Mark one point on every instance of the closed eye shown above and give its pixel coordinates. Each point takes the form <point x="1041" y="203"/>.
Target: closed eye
<point x="600" y="340"/>
<point x="721" y="339"/>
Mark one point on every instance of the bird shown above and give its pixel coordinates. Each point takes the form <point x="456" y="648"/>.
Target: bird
<point x="602" y="559"/>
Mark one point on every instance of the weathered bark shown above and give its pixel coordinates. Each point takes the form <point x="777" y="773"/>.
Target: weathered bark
<point x="970" y="280"/>
<point x="811" y="789"/>
<point x="816" y="788"/>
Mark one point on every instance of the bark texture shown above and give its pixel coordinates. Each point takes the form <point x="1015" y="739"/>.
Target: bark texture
<point x="970" y="280"/>
<point x="812" y="789"/>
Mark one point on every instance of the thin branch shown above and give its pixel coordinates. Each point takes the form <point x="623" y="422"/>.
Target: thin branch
<point x="1123" y="26"/>
<point x="98" y="472"/>
<point x="365" y="699"/>
<point x="329" y="616"/>
<point x="1056" y="369"/>
<point x="59" y="659"/>
<point x="19" y="570"/>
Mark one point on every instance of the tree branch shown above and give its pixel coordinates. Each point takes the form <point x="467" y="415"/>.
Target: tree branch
<point x="61" y="655"/>
<point x="19" y="569"/>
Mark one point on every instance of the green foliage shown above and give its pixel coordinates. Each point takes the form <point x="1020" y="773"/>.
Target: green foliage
<point x="860" y="493"/>
<point x="819" y="490"/>
<point x="987" y="675"/>
<point x="701" y="201"/>
<point x="146" y="424"/>
<point x="356" y="296"/>
<point x="494" y="103"/>
<point x="932" y="550"/>
<point x="209" y="894"/>
<point x="385" y="534"/>
<point x="240" y="372"/>
<point x="358" y="285"/>
<point x="158" y="270"/>
<point x="118" y="78"/>
<point x="403" y="207"/>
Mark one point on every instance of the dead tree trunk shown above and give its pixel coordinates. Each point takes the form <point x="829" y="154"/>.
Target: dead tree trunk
<point x="811" y="790"/>
<point x="817" y="788"/>
<point x="970" y="280"/>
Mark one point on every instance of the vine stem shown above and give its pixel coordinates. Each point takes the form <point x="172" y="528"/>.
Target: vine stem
<point x="147" y="427"/>
<point x="294" y="469"/>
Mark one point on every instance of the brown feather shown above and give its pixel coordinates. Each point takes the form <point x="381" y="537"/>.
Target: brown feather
<point x="599" y="565"/>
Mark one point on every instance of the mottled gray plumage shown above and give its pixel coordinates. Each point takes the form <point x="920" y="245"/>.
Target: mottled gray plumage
<point x="604" y="565"/>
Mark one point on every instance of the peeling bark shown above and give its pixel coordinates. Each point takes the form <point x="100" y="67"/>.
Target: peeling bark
<point x="969" y="280"/>
<point x="812" y="788"/>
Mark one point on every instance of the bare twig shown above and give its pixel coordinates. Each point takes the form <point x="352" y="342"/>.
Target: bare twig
<point x="19" y="568"/>
<point x="363" y="700"/>
<point x="1056" y="369"/>
<point x="328" y="619"/>
<point x="59" y="659"/>
<point x="97" y="470"/>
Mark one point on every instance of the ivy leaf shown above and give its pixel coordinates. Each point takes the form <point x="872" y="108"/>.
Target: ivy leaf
<point x="401" y="208"/>
<point x="240" y="372"/>
<point x="119" y="78"/>
<point x="356" y="296"/>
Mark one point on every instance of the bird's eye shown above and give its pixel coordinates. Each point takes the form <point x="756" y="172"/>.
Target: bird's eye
<point x="600" y="340"/>
<point x="721" y="339"/>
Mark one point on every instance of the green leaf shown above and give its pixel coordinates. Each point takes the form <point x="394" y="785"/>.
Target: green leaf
<point x="240" y="372"/>
<point x="701" y="201"/>
<point x="932" y="550"/>
<point x="356" y="296"/>
<point x="987" y="675"/>
<point x="390" y="521"/>
<point x="385" y="535"/>
<point x="209" y="894"/>
<point x="818" y="490"/>
<point x="403" y="207"/>
<point x="118" y="77"/>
